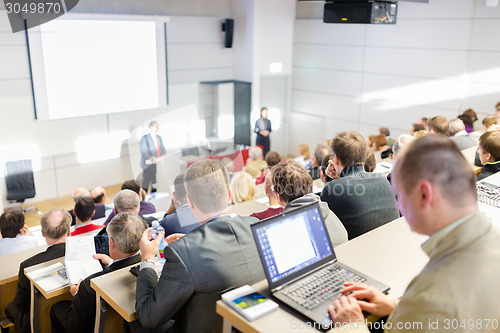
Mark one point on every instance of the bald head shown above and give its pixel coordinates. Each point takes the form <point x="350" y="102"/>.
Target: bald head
<point x="99" y="195"/>
<point x="80" y="192"/>
<point x="55" y="224"/>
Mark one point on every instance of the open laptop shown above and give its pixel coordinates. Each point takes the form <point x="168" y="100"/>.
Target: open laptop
<point x="300" y="264"/>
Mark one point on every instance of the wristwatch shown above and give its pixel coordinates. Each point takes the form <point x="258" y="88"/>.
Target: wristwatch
<point x="148" y="260"/>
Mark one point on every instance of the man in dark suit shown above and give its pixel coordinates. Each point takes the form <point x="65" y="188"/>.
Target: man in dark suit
<point x="151" y="146"/>
<point x="125" y="231"/>
<point x="55" y="228"/>
<point x="216" y="257"/>
<point x="362" y="201"/>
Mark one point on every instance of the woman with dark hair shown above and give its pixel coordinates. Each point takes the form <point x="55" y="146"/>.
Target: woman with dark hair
<point x="263" y="128"/>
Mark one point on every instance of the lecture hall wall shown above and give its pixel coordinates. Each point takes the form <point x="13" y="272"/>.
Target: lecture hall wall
<point x="196" y="53"/>
<point x="439" y="59"/>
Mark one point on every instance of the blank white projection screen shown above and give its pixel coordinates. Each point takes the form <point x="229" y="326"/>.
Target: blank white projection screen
<point x="85" y="67"/>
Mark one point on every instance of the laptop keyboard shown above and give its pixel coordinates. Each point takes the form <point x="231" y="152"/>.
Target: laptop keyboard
<point x="320" y="286"/>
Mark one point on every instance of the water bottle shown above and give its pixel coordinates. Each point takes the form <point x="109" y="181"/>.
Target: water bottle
<point x="157" y="228"/>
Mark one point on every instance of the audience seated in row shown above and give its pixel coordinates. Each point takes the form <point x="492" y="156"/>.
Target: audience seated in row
<point x="14" y="229"/>
<point x="294" y="186"/>
<point x="125" y="231"/>
<point x="180" y="218"/>
<point x="272" y="158"/>
<point x="145" y="207"/>
<point x="55" y="228"/>
<point x="100" y="209"/>
<point x="83" y="211"/>
<point x="436" y="192"/>
<point x="361" y="200"/>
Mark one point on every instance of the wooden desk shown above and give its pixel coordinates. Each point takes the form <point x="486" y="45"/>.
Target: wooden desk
<point x="9" y="274"/>
<point x="117" y="289"/>
<point x="470" y="155"/>
<point x="399" y="256"/>
<point x="40" y="306"/>
<point x="246" y="208"/>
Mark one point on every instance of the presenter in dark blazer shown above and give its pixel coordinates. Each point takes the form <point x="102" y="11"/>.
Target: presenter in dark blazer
<point x="151" y="146"/>
<point x="124" y="231"/>
<point x="263" y="129"/>
<point x="218" y="256"/>
<point x="55" y="228"/>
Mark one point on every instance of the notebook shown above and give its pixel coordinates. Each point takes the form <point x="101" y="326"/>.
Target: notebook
<point x="300" y="264"/>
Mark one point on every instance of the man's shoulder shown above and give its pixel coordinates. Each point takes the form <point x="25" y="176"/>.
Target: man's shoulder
<point x="53" y="252"/>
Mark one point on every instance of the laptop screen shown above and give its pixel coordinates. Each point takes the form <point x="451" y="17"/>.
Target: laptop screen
<point x="291" y="242"/>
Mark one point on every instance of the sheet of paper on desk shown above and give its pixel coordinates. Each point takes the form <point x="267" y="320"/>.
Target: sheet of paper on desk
<point x="79" y="260"/>
<point x="50" y="278"/>
<point x="264" y="200"/>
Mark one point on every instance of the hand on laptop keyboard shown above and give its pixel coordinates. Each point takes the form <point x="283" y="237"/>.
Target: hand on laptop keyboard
<point x="369" y="298"/>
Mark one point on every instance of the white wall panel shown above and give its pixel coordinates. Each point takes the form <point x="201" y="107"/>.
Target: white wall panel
<point x="482" y="33"/>
<point x="332" y="127"/>
<point x="326" y="105"/>
<point x="415" y="62"/>
<point x="327" y="81"/>
<point x="14" y="62"/>
<point x="207" y="74"/>
<point x="198" y="56"/>
<point x="317" y="32"/>
<point x="189" y="29"/>
<point x="340" y="57"/>
<point x="14" y="88"/>
<point x="436" y="9"/>
<point x="482" y="11"/>
<point x="438" y="34"/>
<point x="391" y="92"/>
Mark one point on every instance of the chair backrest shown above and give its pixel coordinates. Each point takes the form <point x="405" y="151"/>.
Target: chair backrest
<point x="19" y="180"/>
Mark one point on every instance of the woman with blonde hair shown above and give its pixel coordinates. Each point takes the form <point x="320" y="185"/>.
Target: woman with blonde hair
<point x="242" y="188"/>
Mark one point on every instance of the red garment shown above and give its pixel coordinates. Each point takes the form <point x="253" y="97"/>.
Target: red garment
<point x="268" y="213"/>
<point x="87" y="228"/>
<point x="158" y="147"/>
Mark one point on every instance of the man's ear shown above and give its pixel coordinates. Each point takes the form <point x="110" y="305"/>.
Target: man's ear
<point x="111" y="243"/>
<point x="229" y="192"/>
<point x="426" y="193"/>
<point x="93" y="213"/>
<point x="190" y="203"/>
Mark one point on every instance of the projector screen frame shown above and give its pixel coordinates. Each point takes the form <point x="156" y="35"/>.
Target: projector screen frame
<point x="38" y="83"/>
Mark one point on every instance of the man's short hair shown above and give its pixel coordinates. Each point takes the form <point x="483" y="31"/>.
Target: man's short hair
<point x="255" y="153"/>
<point x="126" y="229"/>
<point x="98" y="193"/>
<point x="402" y="141"/>
<point x="370" y="161"/>
<point x="207" y="185"/>
<point x="55" y="229"/>
<point x="439" y="125"/>
<point x="456" y="125"/>
<point x="131" y="184"/>
<point x="320" y="152"/>
<point x="490" y="144"/>
<point x="11" y="222"/>
<point x="153" y="122"/>
<point x="272" y="158"/>
<point x="438" y="160"/>
<point x="497" y="106"/>
<point x="350" y="148"/>
<point x="84" y="208"/>
<point x="180" y="187"/>
<point x="127" y="201"/>
<point x="490" y="120"/>
<point x="324" y="166"/>
<point x="291" y="181"/>
<point x="385" y="131"/>
<point x="471" y="113"/>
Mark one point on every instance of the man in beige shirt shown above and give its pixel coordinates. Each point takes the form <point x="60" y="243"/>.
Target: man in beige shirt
<point x="457" y="291"/>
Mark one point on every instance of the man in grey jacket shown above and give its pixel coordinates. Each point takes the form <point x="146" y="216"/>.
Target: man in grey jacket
<point x="216" y="257"/>
<point x="293" y="186"/>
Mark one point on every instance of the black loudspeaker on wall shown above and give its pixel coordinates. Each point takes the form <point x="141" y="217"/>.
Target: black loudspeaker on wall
<point x="227" y="27"/>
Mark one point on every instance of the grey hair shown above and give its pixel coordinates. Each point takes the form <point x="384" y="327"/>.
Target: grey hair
<point x="456" y="125"/>
<point x="126" y="229"/>
<point x="255" y="153"/>
<point x="127" y="201"/>
<point x="402" y="141"/>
